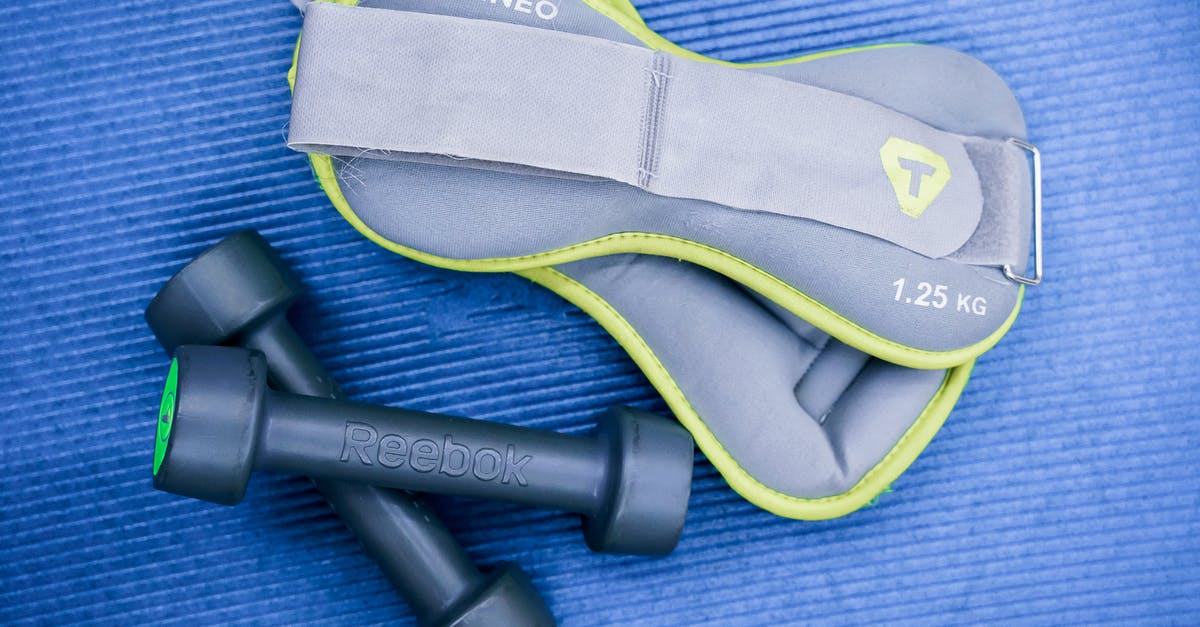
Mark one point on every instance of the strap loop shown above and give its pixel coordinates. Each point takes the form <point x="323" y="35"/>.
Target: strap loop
<point x="1037" y="217"/>
<point x="474" y="93"/>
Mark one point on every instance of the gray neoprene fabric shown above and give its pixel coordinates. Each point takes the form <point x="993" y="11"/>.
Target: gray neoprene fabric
<point x="576" y="106"/>
<point x="802" y="413"/>
<point x="503" y="214"/>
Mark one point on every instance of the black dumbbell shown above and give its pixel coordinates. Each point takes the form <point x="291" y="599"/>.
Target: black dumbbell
<point x="238" y="292"/>
<point x="630" y="480"/>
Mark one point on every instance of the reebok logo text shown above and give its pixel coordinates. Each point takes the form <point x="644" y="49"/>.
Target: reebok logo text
<point x="362" y="443"/>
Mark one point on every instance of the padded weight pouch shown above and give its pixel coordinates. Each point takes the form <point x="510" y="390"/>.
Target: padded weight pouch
<point x="805" y="257"/>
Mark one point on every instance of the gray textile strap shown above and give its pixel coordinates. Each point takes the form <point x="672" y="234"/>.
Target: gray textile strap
<point x="481" y="94"/>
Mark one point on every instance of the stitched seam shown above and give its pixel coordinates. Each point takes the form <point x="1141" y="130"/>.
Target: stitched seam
<point x="657" y="76"/>
<point x="839" y="453"/>
<point x="842" y="395"/>
<point x="813" y="362"/>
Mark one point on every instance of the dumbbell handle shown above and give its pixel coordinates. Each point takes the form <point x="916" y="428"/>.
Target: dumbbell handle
<point x="415" y="450"/>
<point x="424" y="561"/>
<point x="220" y="422"/>
<point x="294" y="367"/>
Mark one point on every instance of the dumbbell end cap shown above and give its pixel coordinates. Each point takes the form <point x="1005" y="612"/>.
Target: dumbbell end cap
<point x="650" y="460"/>
<point x="506" y="597"/>
<point x="208" y="423"/>
<point x="239" y="281"/>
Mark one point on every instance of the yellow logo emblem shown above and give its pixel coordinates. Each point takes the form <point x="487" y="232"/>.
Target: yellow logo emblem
<point x="917" y="173"/>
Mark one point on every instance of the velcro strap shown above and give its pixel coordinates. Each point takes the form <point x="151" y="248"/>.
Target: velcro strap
<point x="474" y="93"/>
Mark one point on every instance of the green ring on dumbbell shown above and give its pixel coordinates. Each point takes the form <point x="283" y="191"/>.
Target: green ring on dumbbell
<point x="166" y="415"/>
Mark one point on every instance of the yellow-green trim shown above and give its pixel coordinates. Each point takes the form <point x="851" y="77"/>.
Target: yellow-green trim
<point x="626" y="16"/>
<point x="902" y="455"/>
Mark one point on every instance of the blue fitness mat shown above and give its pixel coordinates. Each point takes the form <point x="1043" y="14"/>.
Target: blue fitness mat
<point x="1065" y="487"/>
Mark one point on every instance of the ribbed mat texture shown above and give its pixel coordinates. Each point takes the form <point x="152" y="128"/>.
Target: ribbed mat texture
<point x="1065" y="487"/>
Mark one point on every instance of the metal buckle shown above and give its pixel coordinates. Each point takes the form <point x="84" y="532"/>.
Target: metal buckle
<point x="1037" y="217"/>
